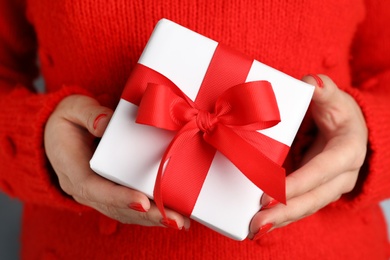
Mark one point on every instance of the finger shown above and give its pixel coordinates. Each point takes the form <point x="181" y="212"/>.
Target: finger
<point x="267" y="202"/>
<point x="325" y="89"/>
<point x="86" y="112"/>
<point x="152" y="217"/>
<point x="333" y="110"/>
<point x="175" y="220"/>
<point x="306" y="204"/>
<point x="315" y="173"/>
<point x="116" y="201"/>
<point x="327" y="101"/>
<point x="343" y="156"/>
<point x="96" y="189"/>
<point x="311" y="202"/>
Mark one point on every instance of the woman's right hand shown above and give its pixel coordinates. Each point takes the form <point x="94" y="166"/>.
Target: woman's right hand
<point x="69" y="136"/>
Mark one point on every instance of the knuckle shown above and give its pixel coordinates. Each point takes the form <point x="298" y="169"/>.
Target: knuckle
<point x="293" y="214"/>
<point x="146" y="217"/>
<point x="360" y="157"/>
<point x="316" y="204"/>
<point x="78" y="199"/>
<point x="338" y="109"/>
<point x="283" y="224"/>
<point x="287" y="216"/>
<point x="292" y="181"/>
<point x="358" y="153"/>
<point x="110" y="199"/>
<point x="113" y="212"/>
<point x="90" y="118"/>
<point x="336" y="198"/>
<point x="335" y="117"/>
<point x="350" y="185"/>
<point x="351" y="153"/>
<point x="317" y="201"/>
<point x="84" y="193"/>
<point x="65" y="186"/>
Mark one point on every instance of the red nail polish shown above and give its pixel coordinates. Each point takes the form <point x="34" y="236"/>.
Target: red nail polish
<point x="97" y="120"/>
<point x="319" y="81"/>
<point x="270" y="204"/>
<point x="262" y="231"/>
<point x="137" y="207"/>
<point x="170" y="223"/>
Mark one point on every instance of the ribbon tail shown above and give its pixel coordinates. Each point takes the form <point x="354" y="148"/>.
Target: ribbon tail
<point x="157" y="194"/>
<point x="182" y="170"/>
<point x="258" y="168"/>
<point x="163" y="172"/>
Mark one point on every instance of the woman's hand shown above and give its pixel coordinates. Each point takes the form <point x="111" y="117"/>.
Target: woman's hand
<point x="69" y="137"/>
<point x="331" y="166"/>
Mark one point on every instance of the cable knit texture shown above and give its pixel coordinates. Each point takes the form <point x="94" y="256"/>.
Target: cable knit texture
<point x="89" y="47"/>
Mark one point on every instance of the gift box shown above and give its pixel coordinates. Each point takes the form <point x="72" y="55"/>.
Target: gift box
<point x="202" y="129"/>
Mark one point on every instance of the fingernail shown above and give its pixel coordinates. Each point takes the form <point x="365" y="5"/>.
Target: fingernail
<point x="319" y="81"/>
<point x="170" y="223"/>
<point x="98" y="119"/>
<point x="270" y="204"/>
<point x="137" y="207"/>
<point x="262" y="231"/>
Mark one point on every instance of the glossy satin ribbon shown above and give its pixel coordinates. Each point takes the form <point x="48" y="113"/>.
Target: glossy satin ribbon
<point x="224" y="117"/>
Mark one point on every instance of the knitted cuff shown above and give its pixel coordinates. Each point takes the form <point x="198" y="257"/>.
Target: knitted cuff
<point x="25" y="172"/>
<point x="373" y="184"/>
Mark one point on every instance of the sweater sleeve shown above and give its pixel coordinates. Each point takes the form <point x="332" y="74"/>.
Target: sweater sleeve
<point x="371" y="77"/>
<point x="24" y="169"/>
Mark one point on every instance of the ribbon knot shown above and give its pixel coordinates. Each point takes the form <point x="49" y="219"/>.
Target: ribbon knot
<point x="205" y="121"/>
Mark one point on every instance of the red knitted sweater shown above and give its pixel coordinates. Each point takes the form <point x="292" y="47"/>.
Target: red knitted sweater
<point x="92" y="46"/>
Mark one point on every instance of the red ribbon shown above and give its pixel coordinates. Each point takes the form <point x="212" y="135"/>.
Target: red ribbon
<point x="224" y="117"/>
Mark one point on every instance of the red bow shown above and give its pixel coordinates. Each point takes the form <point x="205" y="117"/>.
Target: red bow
<point x="226" y="121"/>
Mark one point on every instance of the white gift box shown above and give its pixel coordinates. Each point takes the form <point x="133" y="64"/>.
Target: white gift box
<point x="130" y="153"/>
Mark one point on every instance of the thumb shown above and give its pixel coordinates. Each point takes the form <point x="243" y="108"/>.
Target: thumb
<point x="325" y="89"/>
<point x="330" y="105"/>
<point x="87" y="113"/>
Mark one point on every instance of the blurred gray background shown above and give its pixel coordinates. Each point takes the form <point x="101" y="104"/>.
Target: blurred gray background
<point x="10" y="218"/>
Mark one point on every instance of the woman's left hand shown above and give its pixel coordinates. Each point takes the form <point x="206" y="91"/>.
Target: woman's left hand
<point x="331" y="166"/>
